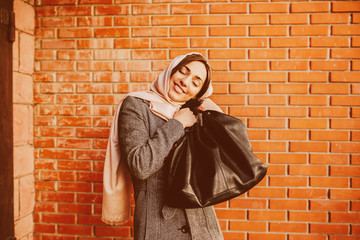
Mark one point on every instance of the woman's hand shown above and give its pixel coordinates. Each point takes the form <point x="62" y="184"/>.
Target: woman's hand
<point x="186" y="117"/>
<point x="207" y="104"/>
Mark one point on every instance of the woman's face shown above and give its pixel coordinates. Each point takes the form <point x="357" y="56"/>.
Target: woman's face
<point x="187" y="81"/>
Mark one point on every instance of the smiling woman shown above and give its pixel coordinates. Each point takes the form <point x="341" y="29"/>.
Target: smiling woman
<point x="145" y="128"/>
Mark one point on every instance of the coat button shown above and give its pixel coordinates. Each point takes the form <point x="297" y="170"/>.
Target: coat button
<point x="185" y="229"/>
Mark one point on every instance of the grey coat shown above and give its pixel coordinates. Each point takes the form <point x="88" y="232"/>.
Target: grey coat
<point x="145" y="141"/>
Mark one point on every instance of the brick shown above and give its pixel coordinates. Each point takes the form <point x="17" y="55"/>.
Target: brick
<point x="329" y="88"/>
<point x="42" y="11"/>
<point x="267" y="54"/>
<point x="288" y="88"/>
<point x="227" y="53"/>
<point x="247" y="226"/>
<point x="355" y="65"/>
<point x="307" y="216"/>
<point x="266" y="123"/>
<point x="228" y="76"/>
<point x="229" y="214"/>
<point x="329" y="182"/>
<point x="57" y="110"/>
<point x="288" y="135"/>
<point x="169" y="20"/>
<point x="188" y="8"/>
<point x="269" y="146"/>
<point x="208" y="20"/>
<point x="58" y="22"/>
<point x="268" y="31"/>
<point x="308" y="77"/>
<point x="113" y="54"/>
<point x="228" y="8"/>
<point x="328" y="205"/>
<point x="247" y="111"/>
<point x="345" y="100"/>
<point x="248" y="203"/>
<point x="269" y="236"/>
<point x="329" y="135"/>
<point x="331" y="18"/>
<point x="309" y="147"/>
<point x="149" y="9"/>
<point x="57" y="197"/>
<point x="267" y="192"/>
<point x="228" y="99"/>
<point x="269" y="8"/>
<point x="339" y="217"/>
<point x="329" y="228"/>
<point x="74" y="11"/>
<point x="309" y="100"/>
<point x="346" y="6"/>
<point x="150" y="32"/>
<point x="345" y="53"/>
<point x="78" y="230"/>
<point x="288" y="181"/>
<point x="328" y="159"/>
<point x="288" y="227"/>
<point x="287" y="158"/>
<point x="267" y="215"/>
<point x="92" y="132"/>
<point x="56" y="154"/>
<point x="111" y="10"/>
<point x="307" y="193"/>
<point x="208" y="42"/>
<point x="310" y="7"/>
<point x="188" y="31"/>
<point x="44" y="228"/>
<point x="248" y="65"/>
<point x="74" y="208"/>
<point x="248" y="88"/>
<point x="267" y="100"/>
<point x="90" y="155"/>
<point x="94" y="21"/>
<point x="59" y="2"/>
<point x="329" y="65"/>
<point x="131" y="43"/>
<point x="57" y="66"/>
<point x="289" y="42"/>
<point x="248" y="42"/>
<point x="253" y="19"/>
<point x="80" y="54"/>
<point x="289" y="65"/>
<point x="146" y="54"/>
<point x="111" y="231"/>
<point x="310" y="170"/>
<point x="308" y="54"/>
<point x="288" y="204"/>
<point x="344" y="171"/>
<point x="345" y="147"/>
<point x="111" y="33"/>
<point x="56" y="88"/>
<point x="132" y="20"/>
<point x="73" y="99"/>
<point x="345" y="76"/>
<point x="227" y="31"/>
<point x="94" y="43"/>
<point x="329" y="41"/>
<point x="288" y="19"/>
<point x="313" y="30"/>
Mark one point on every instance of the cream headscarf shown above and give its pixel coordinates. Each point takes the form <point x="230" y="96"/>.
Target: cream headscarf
<point x="117" y="186"/>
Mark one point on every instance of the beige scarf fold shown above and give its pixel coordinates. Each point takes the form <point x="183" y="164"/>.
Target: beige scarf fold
<point x="117" y="184"/>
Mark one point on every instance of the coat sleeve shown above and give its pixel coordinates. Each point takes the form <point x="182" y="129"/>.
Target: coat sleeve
<point x="144" y="154"/>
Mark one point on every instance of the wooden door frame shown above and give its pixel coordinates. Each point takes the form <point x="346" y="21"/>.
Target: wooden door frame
<point x="7" y="29"/>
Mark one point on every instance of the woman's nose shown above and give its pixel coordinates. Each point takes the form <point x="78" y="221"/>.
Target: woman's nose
<point x="185" y="81"/>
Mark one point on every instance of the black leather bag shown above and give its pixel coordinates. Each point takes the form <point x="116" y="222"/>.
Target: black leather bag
<point x="212" y="163"/>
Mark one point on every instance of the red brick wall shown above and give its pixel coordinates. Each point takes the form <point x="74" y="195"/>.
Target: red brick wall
<point x="288" y="69"/>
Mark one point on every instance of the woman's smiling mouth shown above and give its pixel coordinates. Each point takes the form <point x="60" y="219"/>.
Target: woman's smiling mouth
<point x="178" y="89"/>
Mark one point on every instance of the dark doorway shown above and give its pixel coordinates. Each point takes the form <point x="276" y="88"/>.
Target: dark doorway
<point x="6" y="124"/>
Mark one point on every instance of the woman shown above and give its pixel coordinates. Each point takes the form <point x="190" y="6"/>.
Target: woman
<point x="148" y="125"/>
